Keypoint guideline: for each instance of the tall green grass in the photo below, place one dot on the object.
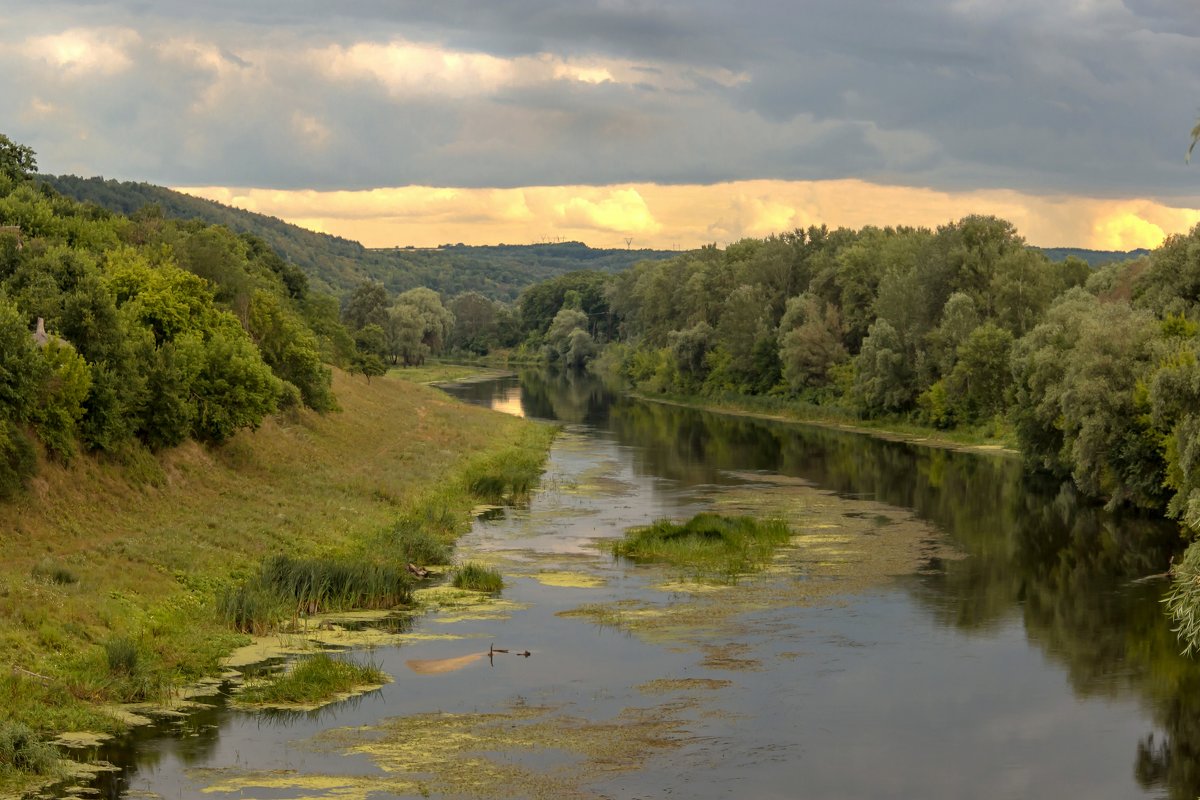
(22, 751)
(313, 679)
(507, 477)
(707, 545)
(477, 578)
(286, 586)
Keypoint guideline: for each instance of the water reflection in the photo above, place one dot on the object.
(1037, 555)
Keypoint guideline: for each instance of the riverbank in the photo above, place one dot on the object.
(99, 553)
(888, 430)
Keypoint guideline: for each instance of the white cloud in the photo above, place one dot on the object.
(82, 52)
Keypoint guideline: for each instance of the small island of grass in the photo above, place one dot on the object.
(314, 680)
(707, 546)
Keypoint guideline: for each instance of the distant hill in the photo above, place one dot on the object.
(336, 265)
(1094, 258)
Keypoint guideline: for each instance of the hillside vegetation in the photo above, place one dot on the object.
(174, 428)
(337, 265)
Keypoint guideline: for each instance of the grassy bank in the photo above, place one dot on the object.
(988, 437)
(448, 373)
(111, 573)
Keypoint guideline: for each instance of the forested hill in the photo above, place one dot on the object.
(1094, 258)
(336, 265)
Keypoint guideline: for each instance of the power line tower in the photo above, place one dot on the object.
(628, 242)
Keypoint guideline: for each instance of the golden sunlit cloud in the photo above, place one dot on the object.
(670, 217)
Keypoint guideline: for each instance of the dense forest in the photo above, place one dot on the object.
(337, 265)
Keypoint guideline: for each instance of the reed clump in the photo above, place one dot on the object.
(507, 477)
(708, 546)
(477, 578)
(22, 751)
(286, 586)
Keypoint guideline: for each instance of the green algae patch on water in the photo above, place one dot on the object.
(837, 547)
(669, 685)
(522, 751)
(569, 580)
(81, 740)
(447, 605)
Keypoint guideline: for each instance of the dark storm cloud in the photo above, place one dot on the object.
(1081, 96)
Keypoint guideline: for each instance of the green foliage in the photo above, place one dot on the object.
(17, 161)
(234, 388)
(18, 461)
(313, 679)
(21, 750)
(1183, 599)
(883, 380)
(710, 546)
(291, 350)
(65, 383)
(568, 342)
(477, 578)
(336, 265)
(979, 384)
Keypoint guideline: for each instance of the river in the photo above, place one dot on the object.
(940, 627)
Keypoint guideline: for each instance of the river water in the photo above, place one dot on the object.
(940, 628)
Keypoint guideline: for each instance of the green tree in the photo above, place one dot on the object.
(17, 161)
(883, 378)
(291, 350)
(978, 386)
(366, 305)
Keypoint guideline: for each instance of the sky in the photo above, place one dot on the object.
(649, 123)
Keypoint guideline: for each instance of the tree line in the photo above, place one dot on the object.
(1094, 373)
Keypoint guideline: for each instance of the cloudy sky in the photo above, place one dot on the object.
(669, 122)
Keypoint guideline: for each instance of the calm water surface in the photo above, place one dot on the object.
(1013, 659)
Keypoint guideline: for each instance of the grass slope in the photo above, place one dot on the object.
(151, 545)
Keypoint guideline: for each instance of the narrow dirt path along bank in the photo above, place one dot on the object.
(99, 554)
